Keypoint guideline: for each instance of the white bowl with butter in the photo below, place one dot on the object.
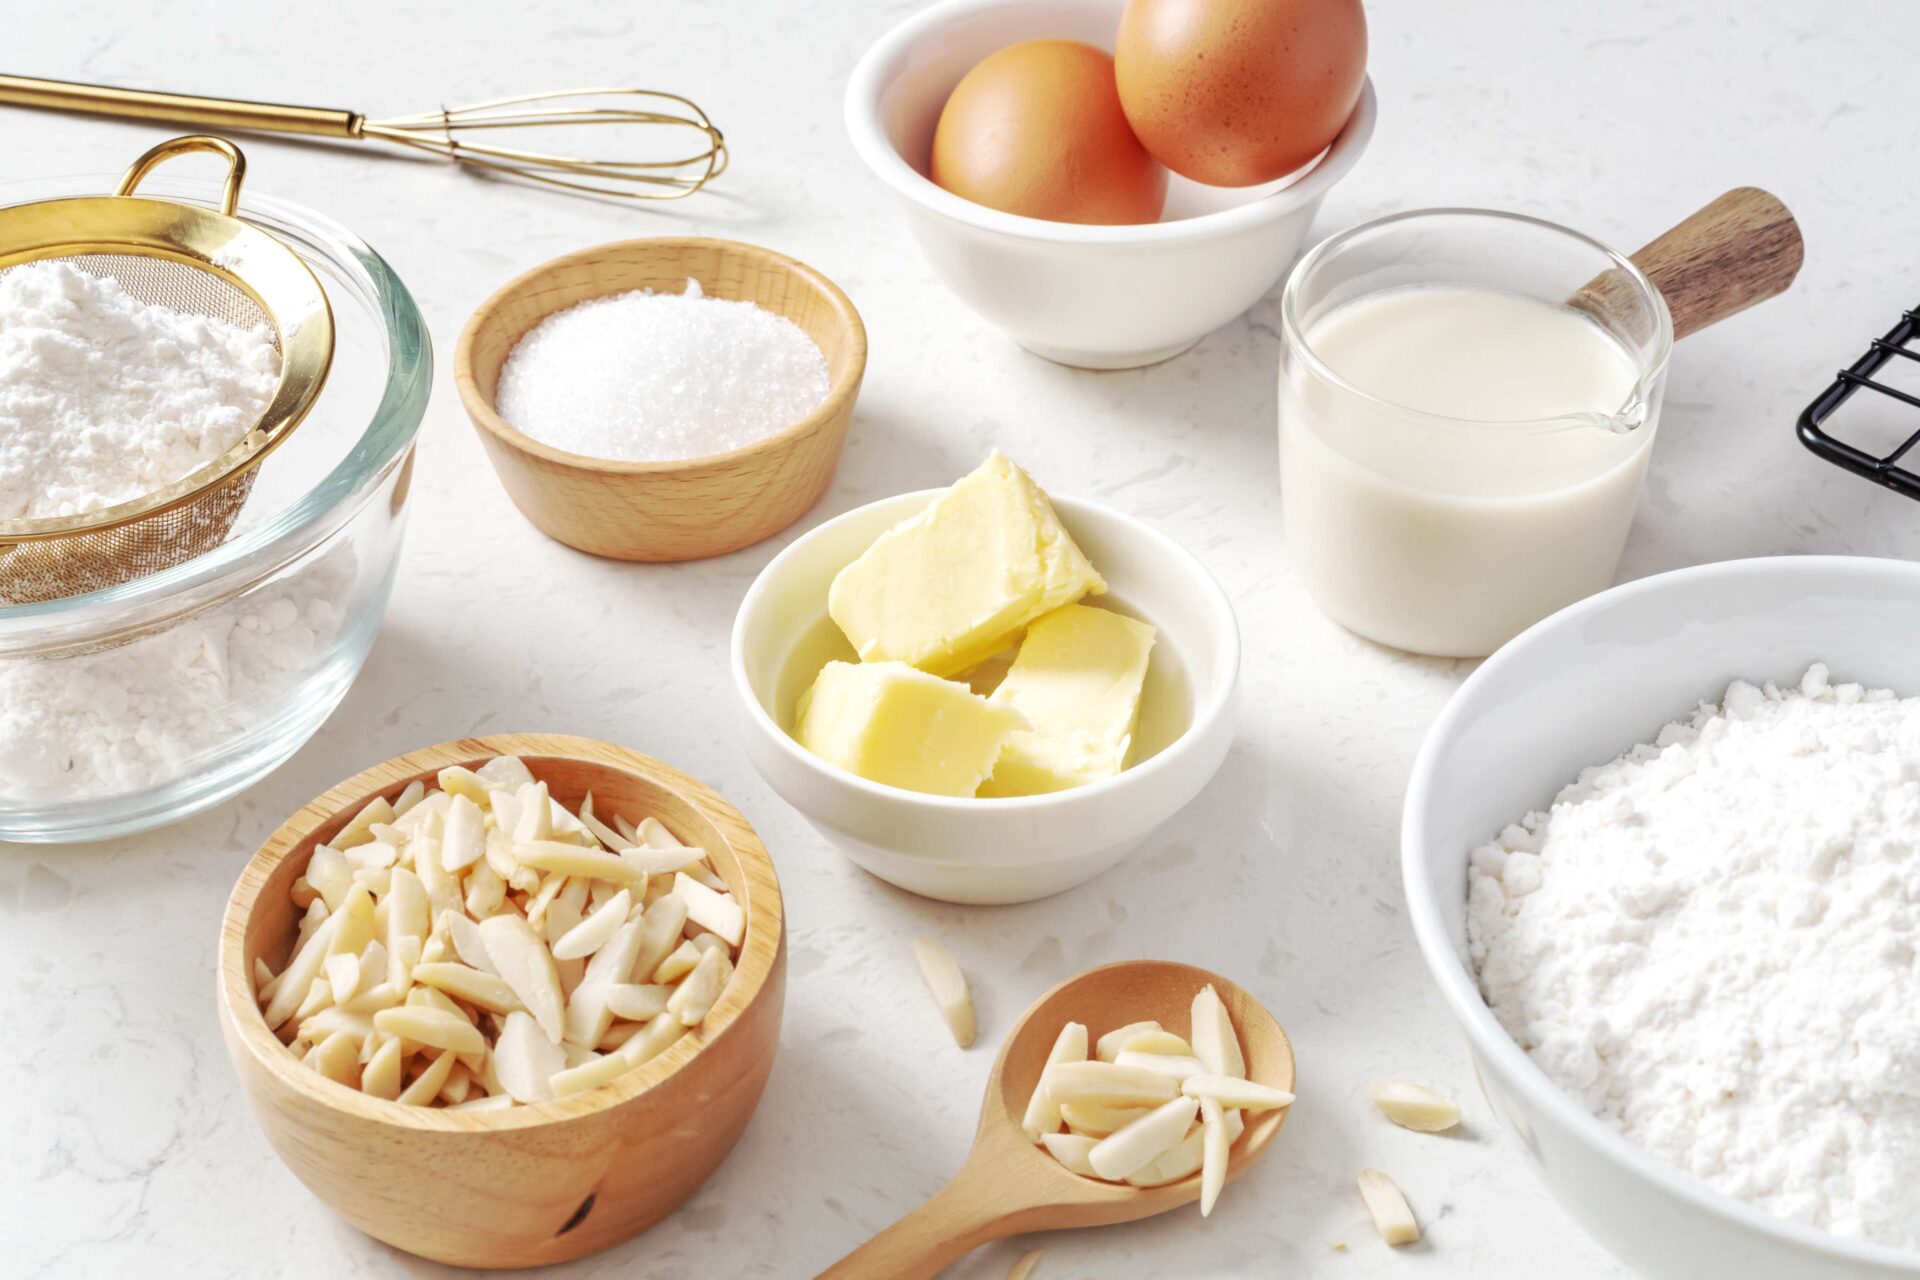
(1001, 849)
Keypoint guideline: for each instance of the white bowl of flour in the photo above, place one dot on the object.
(1684, 939)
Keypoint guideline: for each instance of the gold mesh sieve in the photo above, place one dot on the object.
(193, 260)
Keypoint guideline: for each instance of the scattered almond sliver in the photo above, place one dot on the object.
(1416, 1107)
(1388, 1208)
(474, 945)
(1149, 1108)
(1022, 1269)
(948, 987)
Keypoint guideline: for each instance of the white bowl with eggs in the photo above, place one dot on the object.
(1097, 297)
(1013, 849)
(1576, 690)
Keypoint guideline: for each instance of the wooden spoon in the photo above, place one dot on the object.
(1009, 1186)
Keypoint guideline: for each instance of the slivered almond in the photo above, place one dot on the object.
(589, 1075)
(948, 986)
(360, 830)
(648, 861)
(1108, 1084)
(1108, 1047)
(463, 840)
(380, 1078)
(637, 1002)
(426, 1086)
(337, 1058)
(652, 1040)
(1092, 1120)
(343, 975)
(1415, 1107)
(467, 983)
(457, 780)
(525, 965)
(679, 963)
(1155, 1041)
(1214, 1143)
(298, 976)
(660, 930)
(575, 860)
(1214, 1040)
(1391, 1214)
(1182, 1160)
(467, 944)
(596, 930)
(504, 771)
(716, 912)
(1167, 1064)
(1043, 1111)
(1140, 1143)
(1230, 1091)
(423, 1024)
(526, 1060)
(695, 997)
(1071, 1149)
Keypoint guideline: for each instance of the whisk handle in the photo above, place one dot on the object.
(213, 113)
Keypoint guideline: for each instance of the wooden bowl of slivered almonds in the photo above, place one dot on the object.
(508, 1000)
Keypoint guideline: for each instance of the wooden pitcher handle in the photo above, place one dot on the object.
(1741, 249)
(963, 1215)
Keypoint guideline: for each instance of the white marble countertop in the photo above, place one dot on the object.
(125, 1144)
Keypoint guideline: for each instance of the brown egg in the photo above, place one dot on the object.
(1238, 92)
(1036, 129)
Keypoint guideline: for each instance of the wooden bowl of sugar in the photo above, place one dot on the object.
(543, 1182)
(641, 507)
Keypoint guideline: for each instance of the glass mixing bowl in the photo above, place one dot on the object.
(135, 706)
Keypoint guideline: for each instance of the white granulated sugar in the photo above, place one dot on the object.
(1711, 944)
(657, 377)
(104, 398)
(123, 719)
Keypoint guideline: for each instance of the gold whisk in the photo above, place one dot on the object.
(441, 131)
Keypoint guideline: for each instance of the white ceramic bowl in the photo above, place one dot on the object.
(1001, 850)
(1577, 689)
(1096, 297)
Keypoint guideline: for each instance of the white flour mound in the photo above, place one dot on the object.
(1711, 944)
(104, 398)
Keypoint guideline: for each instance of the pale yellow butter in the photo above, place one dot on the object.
(891, 723)
(1077, 680)
(954, 584)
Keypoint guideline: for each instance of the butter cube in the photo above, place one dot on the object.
(891, 723)
(954, 584)
(1077, 680)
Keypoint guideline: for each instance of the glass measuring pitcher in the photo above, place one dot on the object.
(1448, 532)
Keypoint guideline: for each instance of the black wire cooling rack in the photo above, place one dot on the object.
(1885, 469)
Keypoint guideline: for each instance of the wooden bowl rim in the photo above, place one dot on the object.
(999, 1115)
(758, 954)
(840, 389)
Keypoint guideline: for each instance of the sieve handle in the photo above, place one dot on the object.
(181, 108)
(236, 165)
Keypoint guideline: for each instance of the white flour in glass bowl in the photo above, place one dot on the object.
(119, 720)
(104, 398)
(1713, 942)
